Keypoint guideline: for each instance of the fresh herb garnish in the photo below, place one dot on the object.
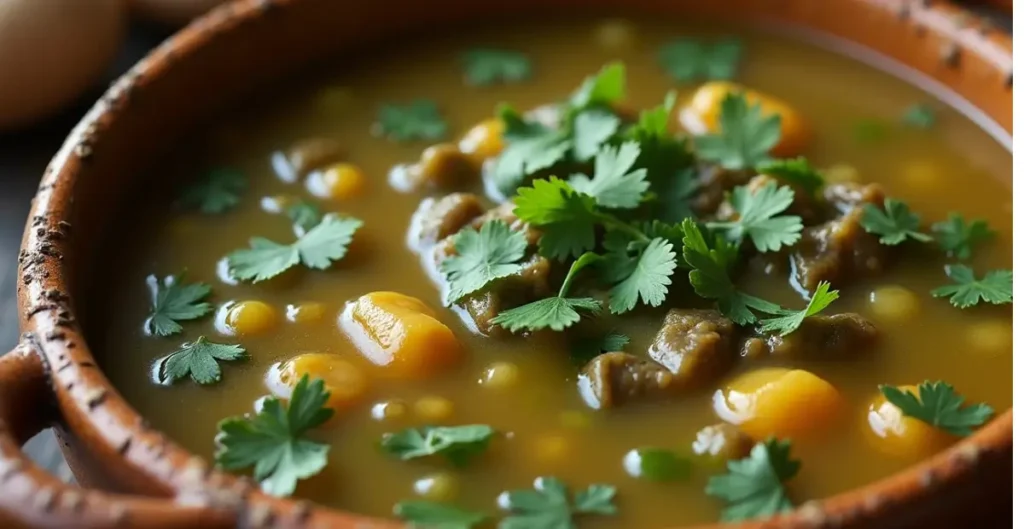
(423, 514)
(172, 302)
(591, 129)
(657, 464)
(198, 359)
(957, 237)
(585, 348)
(895, 224)
(646, 276)
(327, 242)
(605, 88)
(760, 218)
(787, 321)
(419, 120)
(939, 405)
(482, 257)
(305, 215)
(529, 147)
(274, 441)
(568, 217)
(795, 171)
(966, 291)
(555, 313)
(220, 191)
(754, 487)
(456, 443)
(688, 60)
(548, 505)
(920, 116)
(484, 67)
(616, 183)
(745, 136)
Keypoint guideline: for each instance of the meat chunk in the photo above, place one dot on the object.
(837, 251)
(436, 219)
(611, 379)
(721, 442)
(847, 196)
(305, 156)
(441, 166)
(506, 213)
(696, 346)
(836, 336)
(714, 183)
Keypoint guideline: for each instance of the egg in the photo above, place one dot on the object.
(172, 12)
(50, 52)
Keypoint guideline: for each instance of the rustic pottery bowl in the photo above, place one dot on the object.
(133, 476)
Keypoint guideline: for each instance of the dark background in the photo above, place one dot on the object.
(24, 155)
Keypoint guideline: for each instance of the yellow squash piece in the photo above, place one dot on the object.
(785, 403)
(483, 141)
(701, 115)
(246, 318)
(346, 382)
(401, 334)
(897, 435)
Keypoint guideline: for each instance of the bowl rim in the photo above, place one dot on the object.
(92, 405)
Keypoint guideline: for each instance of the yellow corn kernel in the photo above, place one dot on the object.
(401, 334)
(894, 303)
(483, 141)
(389, 410)
(434, 409)
(779, 402)
(440, 486)
(305, 312)
(897, 435)
(500, 375)
(343, 379)
(341, 181)
(246, 318)
(702, 115)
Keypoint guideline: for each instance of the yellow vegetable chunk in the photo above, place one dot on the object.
(306, 312)
(401, 334)
(701, 116)
(894, 303)
(440, 486)
(897, 435)
(347, 383)
(246, 318)
(483, 141)
(785, 403)
(501, 375)
(341, 181)
(434, 409)
(389, 410)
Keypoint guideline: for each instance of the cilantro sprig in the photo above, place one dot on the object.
(786, 321)
(482, 257)
(548, 505)
(938, 404)
(274, 441)
(957, 237)
(755, 487)
(745, 137)
(895, 224)
(759, 217)
(435, 515)
(419, 120)
(996, 287)
(220, 191)
(488, 66)
(198, 359)
(616, 182)
(456, 443)
(173, 301)
(919, 115)
(795, 171)
(304, 215)
(688, 60)
(555, 313)
(319, 247)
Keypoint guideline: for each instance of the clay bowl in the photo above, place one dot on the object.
(134, 476)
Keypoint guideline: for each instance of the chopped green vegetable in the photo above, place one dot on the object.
(567, 216)
(419, 120)
(939, 405)
(688, 60)
(759, 217)
(555, 313)
(788, 321)
(614, 184)
(529, 148)
(795, 171)
(671, 167)
(921, 116)
(585, 348)
(274, 441)
(485, 67)
(482, 257)
(456, 443)
(745, 137)
(893, 225)
(995, 288)
(548, 506)
(591, 129)
(657, 464)
(318, 248)
(305, 215)
(605, 88)
(173, 302)
(645, 277)
(423, 514)
(958, 237)
(220, 191)
(197, 359)
(754, 487)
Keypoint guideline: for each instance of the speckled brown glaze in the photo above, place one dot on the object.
(52, 378)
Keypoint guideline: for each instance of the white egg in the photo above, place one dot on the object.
(52, 51)
(172, 12)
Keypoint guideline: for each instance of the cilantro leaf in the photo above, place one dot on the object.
(419, 120)
(529, 147)
(648, 278)
(547, 506)
(788, 321)
(605, 88)
(456, 443)
(920, 116)
(795, 171)
(958, 237)
(688, 60)
(173, 302)
(304, 215)
(591, 129)
(939, 405)
(669, 162)
(653, 122)
(327, 242)
(485, 67)
(434, 515)
(995, 288)
(754, 487)
(482, 257)
(555, 313)
(197, 359)
(657, 464)
(219, 192)
(745, 135)
(567, 216)
(614, 185)
(760, 219)
(273, 441)
(583, 349)
(895, 224)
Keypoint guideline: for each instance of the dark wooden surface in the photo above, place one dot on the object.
(24, 155)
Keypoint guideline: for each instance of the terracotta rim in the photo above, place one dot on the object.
(91, 404)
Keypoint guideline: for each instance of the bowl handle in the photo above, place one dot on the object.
(32, 498)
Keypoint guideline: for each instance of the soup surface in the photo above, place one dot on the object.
(396, 356)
